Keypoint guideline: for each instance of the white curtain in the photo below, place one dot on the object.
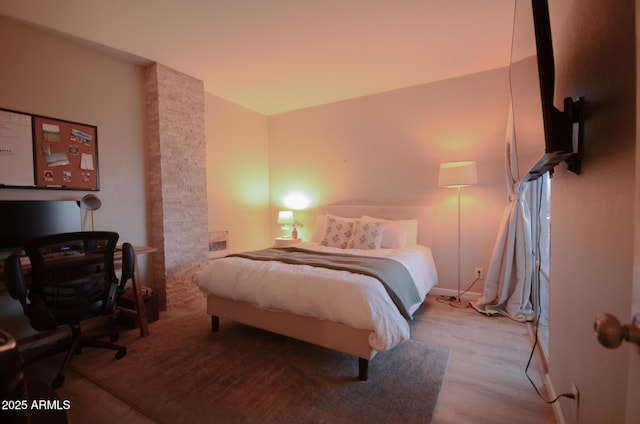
(507, 287)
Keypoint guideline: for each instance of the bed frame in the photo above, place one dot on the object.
(328, 334)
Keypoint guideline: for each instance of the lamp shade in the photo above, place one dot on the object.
(90, 202)
(458, 174)
(285, 217)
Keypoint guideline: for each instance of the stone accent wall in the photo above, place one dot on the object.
(177, 182)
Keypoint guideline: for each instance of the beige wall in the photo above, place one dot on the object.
(108, 92)
(237, 173)
(592, 215)
(54, 77)
(404, 135)
(387, 148)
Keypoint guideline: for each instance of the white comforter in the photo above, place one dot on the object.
(356, 300)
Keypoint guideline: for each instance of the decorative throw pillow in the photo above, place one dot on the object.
(367, 235)
(337, 232)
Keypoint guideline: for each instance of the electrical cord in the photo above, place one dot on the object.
(470, 286)
(567, 395)
(444, 298)
(537, 316)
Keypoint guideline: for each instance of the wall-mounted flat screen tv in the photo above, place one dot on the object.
(544, 134)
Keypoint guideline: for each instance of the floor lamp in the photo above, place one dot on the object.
(458, 175)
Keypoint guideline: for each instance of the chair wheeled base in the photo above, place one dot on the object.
(73, 345)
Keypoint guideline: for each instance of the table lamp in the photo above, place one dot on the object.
(286, 218)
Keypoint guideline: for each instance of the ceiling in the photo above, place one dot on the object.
(278, 55)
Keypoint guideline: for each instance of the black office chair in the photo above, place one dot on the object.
(72, 279)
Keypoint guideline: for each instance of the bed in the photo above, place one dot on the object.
(357, 313)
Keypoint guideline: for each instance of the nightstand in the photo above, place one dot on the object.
(285, 242)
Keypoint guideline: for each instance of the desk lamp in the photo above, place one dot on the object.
(90, 203)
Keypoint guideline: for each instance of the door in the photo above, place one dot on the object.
(633, 382)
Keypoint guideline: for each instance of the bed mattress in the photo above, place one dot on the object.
(353, 299)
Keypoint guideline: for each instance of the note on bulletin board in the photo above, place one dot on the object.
(47, 153)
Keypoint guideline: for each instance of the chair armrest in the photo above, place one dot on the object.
(15, 279)
(128, 266)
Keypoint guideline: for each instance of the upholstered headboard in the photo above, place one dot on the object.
(424, 215)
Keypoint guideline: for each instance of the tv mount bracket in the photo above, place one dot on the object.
(573, 111)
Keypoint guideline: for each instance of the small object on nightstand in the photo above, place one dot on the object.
(286, 241)
(294, 233)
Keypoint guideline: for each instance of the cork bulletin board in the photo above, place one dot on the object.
(47, 153)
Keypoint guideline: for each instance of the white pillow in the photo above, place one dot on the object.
(318, 232)
(412, 231)
(337, 232)
(397, 234)
(367, 235)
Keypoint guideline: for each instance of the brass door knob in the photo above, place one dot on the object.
(610, 332)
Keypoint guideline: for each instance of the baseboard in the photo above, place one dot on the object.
(543, 363)
(557, 411)
(437, 291)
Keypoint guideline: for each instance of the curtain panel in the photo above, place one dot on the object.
(508, 282)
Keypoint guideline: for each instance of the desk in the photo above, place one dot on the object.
(138, 310)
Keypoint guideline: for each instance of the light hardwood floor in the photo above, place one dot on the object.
(485, 380)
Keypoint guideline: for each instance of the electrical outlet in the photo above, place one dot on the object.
(576, 400)
(479, 273)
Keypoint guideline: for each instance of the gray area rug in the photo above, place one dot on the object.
(185, 373)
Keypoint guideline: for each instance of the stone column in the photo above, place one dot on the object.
(177, 182)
